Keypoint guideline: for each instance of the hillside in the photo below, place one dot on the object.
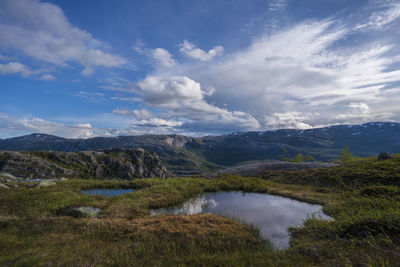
(121, 164)
(363, 198)
(184, 154)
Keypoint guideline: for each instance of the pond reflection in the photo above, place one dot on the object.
(271, 214)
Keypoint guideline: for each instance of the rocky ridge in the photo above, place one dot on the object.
(105, 164)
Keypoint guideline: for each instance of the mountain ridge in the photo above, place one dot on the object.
(184, 154)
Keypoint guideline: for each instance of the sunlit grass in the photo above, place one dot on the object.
(364, 201)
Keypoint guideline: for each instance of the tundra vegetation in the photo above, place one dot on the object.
(363, 197)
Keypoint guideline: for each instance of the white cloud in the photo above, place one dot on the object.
(183, 98)
(381, 19)
(91, 96)
(29, 124)
(298, 77)
(87, 71)
(5, 58)
(15, 126)
(46, 77)
(117, 84)
(277, 5)
(190, 50)
(42, 31)
(169, 91)
(163, 57)
(139, 47)
(16, 67)
(360, 107)
(302, 69)
(157, 122)
(140, 114)
(127, 99)
(289, 120)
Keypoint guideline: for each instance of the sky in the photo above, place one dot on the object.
(81, 69)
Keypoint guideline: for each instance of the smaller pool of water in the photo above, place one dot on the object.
(107, 192)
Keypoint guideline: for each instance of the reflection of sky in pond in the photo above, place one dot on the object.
(107, 192)
(271, 214)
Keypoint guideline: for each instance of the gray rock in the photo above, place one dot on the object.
(83, 211)
(3, 186)
(110, 163)
(7, 175)
(384, 156)
(46, 183)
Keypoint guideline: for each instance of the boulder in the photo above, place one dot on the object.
(46, 183)
(7, 175)
(83, 211)
(3, 186)
(384, 156)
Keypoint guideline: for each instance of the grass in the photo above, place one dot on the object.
(362, 196)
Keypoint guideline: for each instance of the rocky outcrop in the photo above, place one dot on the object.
(78, 212)
(111, 163)
(3, 186)
(384, 156)
(46, 183)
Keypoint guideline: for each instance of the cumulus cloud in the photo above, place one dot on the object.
(190, 50)
(363, 113)
(163, 57)
(289, 120)
(302, 69)
(170, 91)
(183, 98)
(298, 77)
(41, 31)
(15, 67)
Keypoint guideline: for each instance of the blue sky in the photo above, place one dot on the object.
(105, 68)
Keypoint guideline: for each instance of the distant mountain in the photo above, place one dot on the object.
(186, 154)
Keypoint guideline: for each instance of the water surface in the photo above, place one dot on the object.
(271, 214)
(107, 192)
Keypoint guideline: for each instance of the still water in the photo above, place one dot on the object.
(271, 214)
(107, 192)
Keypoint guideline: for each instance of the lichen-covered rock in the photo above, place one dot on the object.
(112, 163)
(78, 212)
(46, 183)
(3, 186)
(7, 175)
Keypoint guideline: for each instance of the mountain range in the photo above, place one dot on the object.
(186, 155)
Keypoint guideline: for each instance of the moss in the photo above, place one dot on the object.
(365, 232)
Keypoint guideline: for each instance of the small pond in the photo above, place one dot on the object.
(271, 214)
(107, 192)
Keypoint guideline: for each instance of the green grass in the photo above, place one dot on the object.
(362, 196)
